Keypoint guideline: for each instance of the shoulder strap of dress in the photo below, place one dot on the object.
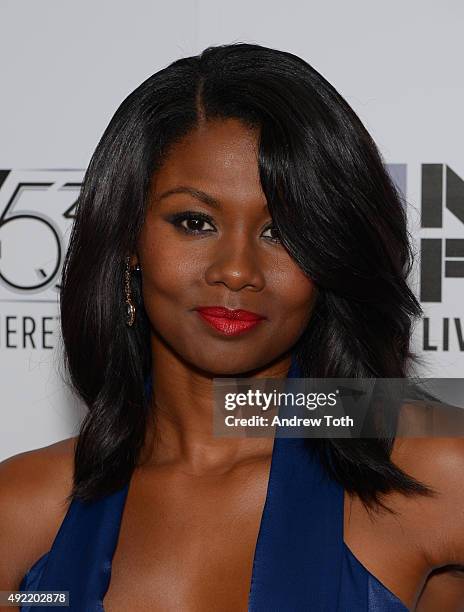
(80, 558)
(299, 552)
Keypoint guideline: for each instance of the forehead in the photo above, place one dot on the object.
(219, 157)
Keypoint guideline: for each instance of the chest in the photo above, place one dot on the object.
(188, 543)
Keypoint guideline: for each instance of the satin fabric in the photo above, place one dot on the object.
(301, 562)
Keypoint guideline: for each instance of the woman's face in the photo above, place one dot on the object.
(207, 241)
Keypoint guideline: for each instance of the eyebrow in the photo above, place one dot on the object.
(196, 193)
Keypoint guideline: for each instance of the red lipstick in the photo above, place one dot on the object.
(229, 322)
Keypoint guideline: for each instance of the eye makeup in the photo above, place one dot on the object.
(196, 218)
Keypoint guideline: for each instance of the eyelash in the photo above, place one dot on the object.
(178, 218)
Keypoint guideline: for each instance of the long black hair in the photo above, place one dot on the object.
(336, 210)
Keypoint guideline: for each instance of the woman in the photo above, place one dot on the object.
(237, 179)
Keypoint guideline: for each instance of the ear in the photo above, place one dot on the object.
(134, 260)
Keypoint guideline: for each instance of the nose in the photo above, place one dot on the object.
(236, 264)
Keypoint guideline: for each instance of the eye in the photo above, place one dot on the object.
(275, 238)
(191, 222)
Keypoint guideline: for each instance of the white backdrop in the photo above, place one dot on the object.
(67, 66)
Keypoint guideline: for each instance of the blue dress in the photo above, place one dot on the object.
(301, 563)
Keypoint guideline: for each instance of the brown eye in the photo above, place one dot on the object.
(276, 237)
(194, 225)
(191, 222)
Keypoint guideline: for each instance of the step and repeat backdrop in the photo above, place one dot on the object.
(68, 67)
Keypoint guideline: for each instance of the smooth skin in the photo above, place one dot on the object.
(192, 515)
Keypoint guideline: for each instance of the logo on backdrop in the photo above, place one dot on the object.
(442, 254)
(36, 213)
(442, 189)
(37, 210)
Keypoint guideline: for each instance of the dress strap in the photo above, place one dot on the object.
(80, 558)
(299, 552)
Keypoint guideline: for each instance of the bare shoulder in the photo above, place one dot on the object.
(438, 520)
(34, 486)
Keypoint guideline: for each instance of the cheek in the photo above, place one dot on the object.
(298, 293)
(305, 293)
(301, 306)
(167, 268)
(167, 281)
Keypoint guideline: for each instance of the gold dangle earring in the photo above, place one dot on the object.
(130, 308)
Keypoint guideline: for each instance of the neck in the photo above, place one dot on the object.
(180, 427)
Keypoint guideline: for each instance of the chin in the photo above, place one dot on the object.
(220, 368)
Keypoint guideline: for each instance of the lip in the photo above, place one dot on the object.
(226, 313)
(229, 322)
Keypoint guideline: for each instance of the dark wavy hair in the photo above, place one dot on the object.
(336, 210)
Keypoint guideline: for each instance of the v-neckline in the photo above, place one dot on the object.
(299, 551)
(293, 372)
(303, 512)
(252, 596)
(259, 536)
